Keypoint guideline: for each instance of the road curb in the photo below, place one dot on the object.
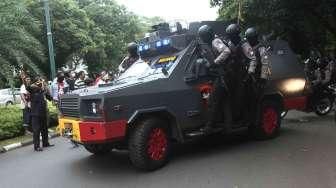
(17, 145)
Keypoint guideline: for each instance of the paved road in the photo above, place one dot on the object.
(303, 156)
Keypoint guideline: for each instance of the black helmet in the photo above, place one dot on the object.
(233, 29)
(251, 35)
(233, 32)
(206, 33)
(132, 49)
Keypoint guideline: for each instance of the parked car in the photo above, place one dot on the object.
(7, 98)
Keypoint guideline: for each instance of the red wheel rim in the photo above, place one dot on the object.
(157, 144)
(270, 120)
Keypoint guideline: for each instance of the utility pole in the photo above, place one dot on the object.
(50, 39)
(239, 11)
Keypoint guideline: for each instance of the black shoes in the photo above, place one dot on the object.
(48, 145)
(38, 149)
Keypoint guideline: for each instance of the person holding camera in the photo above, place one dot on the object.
(39, 92)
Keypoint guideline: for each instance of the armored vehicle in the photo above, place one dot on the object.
(161, 99)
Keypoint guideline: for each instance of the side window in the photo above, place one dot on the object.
(17, 91)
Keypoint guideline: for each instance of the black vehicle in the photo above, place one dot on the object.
(163, 98)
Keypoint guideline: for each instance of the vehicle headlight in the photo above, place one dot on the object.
(294, 85)
(93, 107)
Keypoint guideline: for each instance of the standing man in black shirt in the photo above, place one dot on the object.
(39, 92)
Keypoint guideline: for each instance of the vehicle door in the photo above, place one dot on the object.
(197, 77)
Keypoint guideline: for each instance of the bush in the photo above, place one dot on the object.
(10, 122)
(53, 115)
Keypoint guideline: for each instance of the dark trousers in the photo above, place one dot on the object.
(255, 92)
(219, 104)
(27, 118)
(39, 124)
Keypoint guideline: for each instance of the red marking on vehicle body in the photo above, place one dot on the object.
(205, 89)
(102, 131)
(297, 103)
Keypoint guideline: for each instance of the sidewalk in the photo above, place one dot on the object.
(26, 142)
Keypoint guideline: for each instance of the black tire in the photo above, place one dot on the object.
(149, 144)
(98, 149)
(323, 107)
(283, 114)
(269, 122)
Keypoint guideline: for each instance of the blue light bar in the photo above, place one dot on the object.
(140, 48)
(158, 44)
(146, 47)
(166, 42)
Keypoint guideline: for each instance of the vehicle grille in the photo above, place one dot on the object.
(70, 107)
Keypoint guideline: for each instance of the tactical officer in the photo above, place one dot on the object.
(310, 67)
(323, 73)
(259, 70)
(240, 56)
(132, 57)
(211, 49)
(39, 92)
(228, 57)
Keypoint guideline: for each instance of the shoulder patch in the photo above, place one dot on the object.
(218, 44)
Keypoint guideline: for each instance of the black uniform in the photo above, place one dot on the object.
(231, 62)
(132, 57)
(71, 83)
(127, 63)
(237, 60)
(309, 68)
(39, 115)
(323, 73)
(259, 72)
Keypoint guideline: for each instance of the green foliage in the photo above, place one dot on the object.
(18, 45)
(113, 28)
(10, 122)
(53, 115)
(70, 28)
(95, 31)
(305, 24)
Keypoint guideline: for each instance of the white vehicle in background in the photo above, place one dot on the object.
(7, 98)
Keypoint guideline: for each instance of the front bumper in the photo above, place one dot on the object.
(92, 132)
